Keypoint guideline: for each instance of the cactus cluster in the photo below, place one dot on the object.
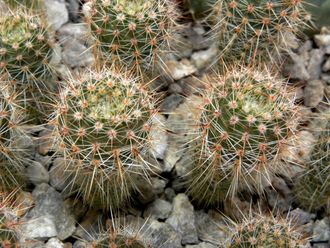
(246, 121)
(103, 120)
(266, 231)
(312, 191)
(131, 32)
(251, 30)
(199, 9)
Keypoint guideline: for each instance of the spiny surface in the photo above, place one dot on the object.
(247, 118)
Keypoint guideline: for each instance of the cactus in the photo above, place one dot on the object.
(266, 231)
(25, 49)
(30, 4)
(252, 29)
(10, 163)
(103, 122)
(246, 120)
(312, 191)
(132, 32)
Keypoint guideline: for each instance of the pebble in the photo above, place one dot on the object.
(158, 209)
(37, 173)
(326, 66)
(314, 67)
(321, 232)
(41, 227)
(57, 13)
(178, 70)
(313, 91)
(54, 243)
(323, 40)
(205, 58)
(182, 219)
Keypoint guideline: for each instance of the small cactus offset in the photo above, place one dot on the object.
(252, 29)
(246, 121)
(25, 49)
(103, 121)
(266, 231)
(132, 32)
(312, 191)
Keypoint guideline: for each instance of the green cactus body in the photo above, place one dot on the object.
(104, 121)
(25, 49)
(312, 191)
(266, 231)
(246, 120)
(10, 165)
(30, 4)
(251, 29)
(132, 32)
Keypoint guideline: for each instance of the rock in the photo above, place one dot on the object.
(178, 70)
(77, 55)
(299, 217)
(162, 234)
(158, 185)
(210, 228)
(191, 85)
(296, 69)
(201, 245)
(81, 244)
(158, 209)
(23, 145)
(73, 7)
(36, 173)
(57, 176)
(314, 91)
(182, 219)
(170, 194)
(54, 243)
(44, 160)
(170, 103)
(175, 88)
(45, 142)
(279, 195)
(326, 66)
(24, 202)
(326, 78)
(77, 32)
(323, 40)
(49, 202)
(41, 227)
(205, 58)
(321, 232)
(158, 137)
(57, 13)
(314, 67)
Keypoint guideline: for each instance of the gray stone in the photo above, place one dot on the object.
(323, 41)
(170, 194)
(57, 13)
(300, 217)
(49, 202)
(57, 176)
(314, 66)
(41, 227)
(210, 228)
(44, 160)
(81, 244)
(170, 103)
(201, 245)
(54, 243)
(77, 55)
(36, 173)
(182, 219)
(158, 209)
(296, 69)
(314, 91)
(205, 58)
(45, 142)
(178, 70)
(326, 66)
(321, 232)
(158, 185)
(162, 234)
(73, 31)
(158, 137)
(73, 7)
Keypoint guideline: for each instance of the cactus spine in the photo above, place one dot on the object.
(246, 120)
(103, 122)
